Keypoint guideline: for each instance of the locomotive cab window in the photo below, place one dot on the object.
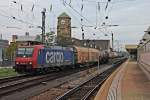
(24, 52)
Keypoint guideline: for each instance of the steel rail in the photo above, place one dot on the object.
(14, 78)
(11, 88)
(87, 88)
(91, 93)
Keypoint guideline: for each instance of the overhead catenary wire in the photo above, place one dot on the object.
(21, 6)
(79, 14)
(69, 4)
(82, 16)
(82, 28)
(15, 18)
(20, 9)
(72, 8)
(73, 15)
(117, 1)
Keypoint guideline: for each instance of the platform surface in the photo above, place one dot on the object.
(129, 82)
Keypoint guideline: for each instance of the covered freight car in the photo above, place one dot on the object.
(86, 55)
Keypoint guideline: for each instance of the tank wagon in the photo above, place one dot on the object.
(39, 58)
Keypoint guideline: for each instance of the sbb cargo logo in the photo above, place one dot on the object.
(54, 57)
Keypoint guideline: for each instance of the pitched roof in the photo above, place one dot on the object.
(64, 14)
(27, 38)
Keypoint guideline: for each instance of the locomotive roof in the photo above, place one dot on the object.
(59, 47)
(31, 45)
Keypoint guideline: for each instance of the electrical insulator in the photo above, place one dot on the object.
(14, 17)
(103, 23)
(106, 17)
(14, 1)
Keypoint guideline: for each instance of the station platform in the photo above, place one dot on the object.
(128, 82)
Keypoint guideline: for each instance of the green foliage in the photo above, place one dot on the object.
(49, 37)
(38, 38)
(7, 72)
(11, 50)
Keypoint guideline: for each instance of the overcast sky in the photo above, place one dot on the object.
(132, 16)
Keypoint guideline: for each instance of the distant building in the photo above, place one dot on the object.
(26, 39)
(132, 50)
(14, 38)
(64, 29)
(64, 35)
(144, 43)
(99, 44)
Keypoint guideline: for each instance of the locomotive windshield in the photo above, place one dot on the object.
(24, 52)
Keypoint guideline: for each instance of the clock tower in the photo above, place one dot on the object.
(64, 28)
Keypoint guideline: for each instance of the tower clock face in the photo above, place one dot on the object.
(62, 21)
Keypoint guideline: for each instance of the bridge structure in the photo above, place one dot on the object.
(132, 50)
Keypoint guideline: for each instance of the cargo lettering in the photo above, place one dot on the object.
(54, 57)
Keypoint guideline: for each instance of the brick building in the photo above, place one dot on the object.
(64, 29)
(99, 44)
(26, 39)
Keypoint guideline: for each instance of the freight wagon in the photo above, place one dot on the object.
(86, 55)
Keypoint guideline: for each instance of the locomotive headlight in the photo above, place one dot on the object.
(30, 63)
(17, 63)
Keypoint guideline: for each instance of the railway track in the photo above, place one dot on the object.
(12, 85)
(16, 84)
(14, 78)
(88, 89)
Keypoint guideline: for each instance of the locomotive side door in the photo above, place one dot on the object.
(41, 58)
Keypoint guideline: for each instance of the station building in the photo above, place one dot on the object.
(99, 44)
(26, 39)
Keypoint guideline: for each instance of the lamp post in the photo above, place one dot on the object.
(88, 50)
(112, 38)
(43, 25)
(98, 61)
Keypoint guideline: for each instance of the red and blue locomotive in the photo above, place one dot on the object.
(39, 58)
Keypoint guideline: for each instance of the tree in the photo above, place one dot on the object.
(49, 37)
(11, 50)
